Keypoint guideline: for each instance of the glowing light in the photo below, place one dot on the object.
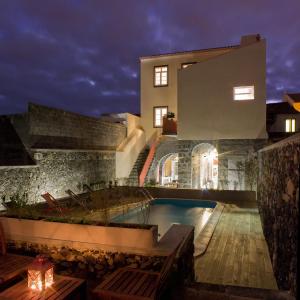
(290, 125)
(40, 274)
(243, 93)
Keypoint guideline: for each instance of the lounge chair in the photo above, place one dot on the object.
(53, 203)
(134, 284)
(81, 200)
(12, 266)
(88, 188)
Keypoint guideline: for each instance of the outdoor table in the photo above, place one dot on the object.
(63, 288)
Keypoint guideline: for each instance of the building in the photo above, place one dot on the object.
(208, 108)
(283, 118)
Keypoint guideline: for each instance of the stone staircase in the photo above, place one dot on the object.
(133, 179)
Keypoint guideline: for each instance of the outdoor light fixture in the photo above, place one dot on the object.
(40, 274)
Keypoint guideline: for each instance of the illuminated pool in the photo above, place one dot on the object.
(165, 212)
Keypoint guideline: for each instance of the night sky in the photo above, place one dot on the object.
(83, 56)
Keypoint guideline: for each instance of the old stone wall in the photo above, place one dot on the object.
(57, 171)
(278, 202)
(54, 128)
(230, 152)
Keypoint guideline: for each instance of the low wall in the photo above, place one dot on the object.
(278, 202)
(128, 153)
(130, 240)
(234, 197)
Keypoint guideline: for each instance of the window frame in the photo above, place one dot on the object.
(154, 73)
(243, 86)
(154, 108)
(188, 64)
(290, 120)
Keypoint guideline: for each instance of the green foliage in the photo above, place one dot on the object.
(251, 170)
(151, 182)
(170, 115)
(18, 206)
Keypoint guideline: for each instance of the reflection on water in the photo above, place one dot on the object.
(164, 215)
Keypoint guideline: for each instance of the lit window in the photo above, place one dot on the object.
(290, 125)
(243, 92)
(159, 113)
(161, 76)
(185, 65)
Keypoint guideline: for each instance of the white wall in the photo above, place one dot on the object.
(129, 152)
(165, 96)
(206, 109)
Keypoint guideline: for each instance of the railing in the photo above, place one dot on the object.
(148, 162)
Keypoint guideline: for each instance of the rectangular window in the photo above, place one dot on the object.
(161, 76)
(158, 114)
(290, 125)
(185, 65)
(243, 93)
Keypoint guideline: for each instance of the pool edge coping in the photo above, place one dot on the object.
(204, 237)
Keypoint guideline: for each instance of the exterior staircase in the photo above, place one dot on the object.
(138, 166)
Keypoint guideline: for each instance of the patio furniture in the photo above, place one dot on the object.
(88, 188)
(134, 284)
(81, 200)
(53, 203)
(63, 288)
(11, 265)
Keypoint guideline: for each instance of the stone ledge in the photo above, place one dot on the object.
(204, 237)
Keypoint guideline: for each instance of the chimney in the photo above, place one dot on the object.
(250, 39)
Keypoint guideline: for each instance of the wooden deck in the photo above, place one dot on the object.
(237, 253)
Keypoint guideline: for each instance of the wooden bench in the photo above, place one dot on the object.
(63, 288)
(134, 284)
(11, 265)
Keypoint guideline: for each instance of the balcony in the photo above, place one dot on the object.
(169, 126)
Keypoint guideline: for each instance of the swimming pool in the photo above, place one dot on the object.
(165, 212)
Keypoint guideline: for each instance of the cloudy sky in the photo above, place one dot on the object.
(82, 55)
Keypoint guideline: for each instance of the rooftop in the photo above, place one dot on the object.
(280, 108)
(190, 52)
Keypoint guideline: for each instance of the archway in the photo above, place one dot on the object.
(204, 167)
(167, 170)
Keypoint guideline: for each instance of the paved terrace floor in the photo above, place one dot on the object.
(237, 253)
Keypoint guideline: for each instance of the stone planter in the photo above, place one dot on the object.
(78, 236)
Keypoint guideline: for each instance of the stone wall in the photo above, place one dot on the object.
(54, 128)
(230, 152)
(278, 201)
(57, 171)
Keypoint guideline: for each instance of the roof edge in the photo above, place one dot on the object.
(189, 52)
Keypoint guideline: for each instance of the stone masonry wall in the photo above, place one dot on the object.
(228, 150)
(57, 171)
(278, 202)
(71, 131)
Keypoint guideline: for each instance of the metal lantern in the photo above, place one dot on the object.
(40, 273)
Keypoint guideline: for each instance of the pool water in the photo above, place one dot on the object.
(165, 212)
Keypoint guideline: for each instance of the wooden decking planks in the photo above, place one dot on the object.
(13, 265)
(237, 253)
(63, 288)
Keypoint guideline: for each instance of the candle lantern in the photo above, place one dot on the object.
(40, 273)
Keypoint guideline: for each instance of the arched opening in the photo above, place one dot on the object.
(167, 170)
(204, 167)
